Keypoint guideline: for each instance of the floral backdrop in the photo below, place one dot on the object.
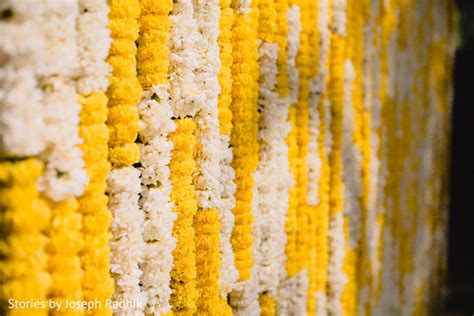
(265, 157)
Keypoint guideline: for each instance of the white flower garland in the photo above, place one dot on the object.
(64, 176)
(127, 245)
(214, 179)
(21, 50)
(206, 78)
(272, 177)
(292, 292)
(229, 274)
(155, 126)
(184, 60)
(93, 42)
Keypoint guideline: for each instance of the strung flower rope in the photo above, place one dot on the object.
(313, 159)
(93, 46)
(337, 279)
(245, 147)
(208, 158)
(64, 175)
(272, 177)
(186, 100)
(127, 245)
(93, 203)
(289, 286)
(244, 135)
(206, 225)
(22, 51)
(321, 217)
(228, 274)
(25, 219)
(182, 165)
(156, 148)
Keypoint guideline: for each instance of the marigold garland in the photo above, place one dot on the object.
(96, 217)
(124, 188)
(156, 150)
(25, 219)
(244, 134)
(229, 273)
(183, 275)
(206, 226)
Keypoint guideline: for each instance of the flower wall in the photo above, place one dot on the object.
(265, 157)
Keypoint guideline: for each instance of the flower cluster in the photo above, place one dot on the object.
(336, 277)
(21, 51)
(124, 90)
(96, 216)
(93, 45)
(244, 135)
(127, 229)
(229, 273)
(272, 177)
(156, 149)
(24, 222)
(245, 147)
(64, 176)
(183, 195)
(124, 186)
(294, 29)
(206, 226)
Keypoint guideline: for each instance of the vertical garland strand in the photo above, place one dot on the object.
(228, 274)
(127, 245)
(336, 277)
(183, 275)
(155, 125)
(92, 50)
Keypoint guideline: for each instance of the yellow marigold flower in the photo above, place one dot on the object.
(124, 155)
(267, 305)
(183, 275)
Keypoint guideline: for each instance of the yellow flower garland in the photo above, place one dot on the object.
(244, 134)
(206, 226)
(153, 53)
(124, 90)
(183, 275)
(281, 38)
(302, 136)
(336, 97)
(25, 219)
(93, 203)
(225, 75)
(64, 263)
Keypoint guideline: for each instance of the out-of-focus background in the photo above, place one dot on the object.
(460, 278)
